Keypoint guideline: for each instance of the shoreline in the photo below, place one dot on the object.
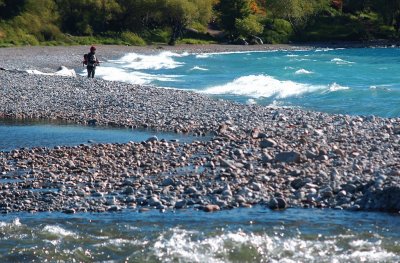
(278, 158)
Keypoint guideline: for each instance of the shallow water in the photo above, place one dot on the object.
(362, 81)
(17, 134)
(240, 235)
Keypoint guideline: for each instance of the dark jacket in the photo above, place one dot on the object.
(92, 60)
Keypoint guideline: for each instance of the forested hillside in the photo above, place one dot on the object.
(140, 22)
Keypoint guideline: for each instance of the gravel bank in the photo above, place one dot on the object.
(275, 157)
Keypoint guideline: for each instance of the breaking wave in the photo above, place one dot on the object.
(163, 60)
(62, 71)
(133, 77)
(199, 68)
(257, 86)
(303, 71)
(190, 246)
(340, 61)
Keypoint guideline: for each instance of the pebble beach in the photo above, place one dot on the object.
(255, 155)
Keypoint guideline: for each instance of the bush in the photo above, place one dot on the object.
(192, 41)
(248, 26)
(199, 27)
(132, 39)
(157, 36)
(277, 31)
(50, 33)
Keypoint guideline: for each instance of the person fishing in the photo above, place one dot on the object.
(91, 62)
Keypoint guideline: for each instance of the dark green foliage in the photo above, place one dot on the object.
(139, 22)
(277, 31)
(11, 8)
(230, 11)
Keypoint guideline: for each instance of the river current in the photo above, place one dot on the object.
(240, 235)
(358, 81)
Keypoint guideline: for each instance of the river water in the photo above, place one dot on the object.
(240, 235)
(27, 134)
(349, 81)
(362, 81)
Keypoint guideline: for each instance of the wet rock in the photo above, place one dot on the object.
(211, 208)
(152, 139)
(180, 204)
(387, 199)
(268, 143)
(129, 190)
(326, 192)
(288, 157)
(266, 158)
(168, 181)
(69, 211)
(114, 208)
(298, 183)
(277, 203)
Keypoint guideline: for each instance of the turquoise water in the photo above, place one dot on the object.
(364, 81)
(239, 235)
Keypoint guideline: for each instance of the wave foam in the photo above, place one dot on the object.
(340, 61)
(163, 60)
(303, 71)
(63, 71)
(257, 86)
(14, 223)
(133, 77)
(58, 231)
(335, 87)
(199, 68)
(181, 245)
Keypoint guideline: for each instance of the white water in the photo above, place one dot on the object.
(257, 86)
(239, 235)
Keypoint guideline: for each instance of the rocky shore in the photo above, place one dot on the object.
(276, 157)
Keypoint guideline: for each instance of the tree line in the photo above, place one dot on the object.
(139, 22)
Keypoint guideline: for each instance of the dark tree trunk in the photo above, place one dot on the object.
(177, 29)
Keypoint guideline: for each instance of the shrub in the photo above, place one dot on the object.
(157, 35)
(50, 33)
(248, 26)
(192, 41)
(277, 31)
(132, 39)
(199, 27)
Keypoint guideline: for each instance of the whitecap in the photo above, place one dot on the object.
(324, 49)
(163, 60)
(303, 72)
(251, 102)
(58, 231)
(199, 68)
(14, 223)
(121, 242)
(205, 55)
(340, 61)
(183, 245)
(336, 87)
(256, 86)
(276, 104)
(62, 71)
(132, 77)
(383, 87)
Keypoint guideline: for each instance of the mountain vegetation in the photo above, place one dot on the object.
(141, 22)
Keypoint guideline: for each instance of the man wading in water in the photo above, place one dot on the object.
(91, 61)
